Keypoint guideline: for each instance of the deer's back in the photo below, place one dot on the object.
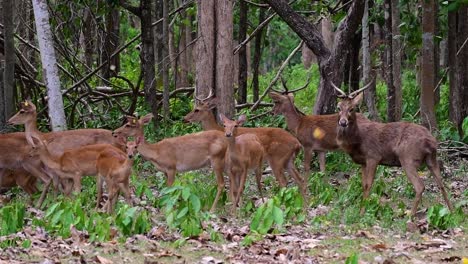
(318, 131)
(63, 140)
(114, 163)
(391, 142)
(272, 137)
(83, 158)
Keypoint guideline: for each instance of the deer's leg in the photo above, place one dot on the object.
(77, 182)
(321, 156)
(367, 179)
(308, 152)
(99, 190)
(40, 175)
(433, 165)
(125, 188)
(218, 167)
(301, 183)
(418, 184)
(170, 173)
(241, 186)
(278, 170)
(258, 178)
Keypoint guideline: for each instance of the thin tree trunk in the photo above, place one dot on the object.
(111, 43)
(257, 56)
(427, 66)
(369, 94)
(205, 48)
(242, 78)
(436, 51)
(389, 61)
(88, 33)
(165, 62)
(395, 113)
(9, 53)
(183, 59)
(224, 57)
(49, 65)
(354, 75)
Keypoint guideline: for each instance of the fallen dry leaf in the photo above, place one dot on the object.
(103, 260)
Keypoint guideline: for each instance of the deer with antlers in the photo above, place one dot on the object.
(178, 154)
(400, 144)
(62, 140)
(245, 152)
(280, 146)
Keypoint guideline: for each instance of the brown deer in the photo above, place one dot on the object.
(18, 177)
(315, 132)
(244, 152)
(280, 146)
(400, 144)
(62, 140)
(115, 167)
(15, 159)
(178, 154)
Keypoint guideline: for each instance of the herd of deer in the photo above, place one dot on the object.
(63, 158)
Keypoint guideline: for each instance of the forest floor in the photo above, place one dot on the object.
(307, 242)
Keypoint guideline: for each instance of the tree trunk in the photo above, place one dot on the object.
(183, 59)
(257, 56)
(49, 65)
(354, 75)
(388, 62)
(394, 113)
(111, 43)
(165, 62)
(88, 38)
(224, 57)
(205, 48)
(427, 66)
(369, 93)
(330, 62)
(9, 53)
(242, 78)
(458, 63)
(436, 51)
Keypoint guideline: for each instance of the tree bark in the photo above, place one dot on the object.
(165, 62)
(111, 43)
(224, 57)
(49, 65)
(257, 56)
(394, 113)
(242, 78)
(88, 37)
(9, 53)
(205, 48)
(367, 72)
(330, 62)
(388, 62)
(427, 66)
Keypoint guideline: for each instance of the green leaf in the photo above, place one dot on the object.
(185, 193)
(182, 213)
(278, 216)
(195, 201)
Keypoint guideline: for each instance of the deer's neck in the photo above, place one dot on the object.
(49, 159)
(210, 123)
(293, 118)
(144, 148)
(31, 127)
(349, 135)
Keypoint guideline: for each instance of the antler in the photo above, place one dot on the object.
(342, 94)
(202, 100)
(351, 95)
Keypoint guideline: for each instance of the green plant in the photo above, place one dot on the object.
(12, 218)
(439, 217)
(131, 221)
(353, 259)
(182, 209)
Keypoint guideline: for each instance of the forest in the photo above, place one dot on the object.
(131, 131)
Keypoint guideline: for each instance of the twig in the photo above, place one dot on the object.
(278, 74)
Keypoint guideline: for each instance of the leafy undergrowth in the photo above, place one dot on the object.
(167, 225)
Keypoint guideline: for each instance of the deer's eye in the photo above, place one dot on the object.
(196, 111)
(351, 110)
(339, 108)
(21, 111)
(236, 125)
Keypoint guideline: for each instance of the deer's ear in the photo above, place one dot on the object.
(358, 99)
(241, 120)
(222, 117)
(212, 103)
(274, 96)
(146, 119)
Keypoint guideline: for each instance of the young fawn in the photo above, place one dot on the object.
(280, 146)
(114, 167)
(244, 152)
(315, 132)
(401, 144)
(177, 154)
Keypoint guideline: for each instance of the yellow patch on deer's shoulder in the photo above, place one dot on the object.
(26, 103)
(318, 133)
(134, 121)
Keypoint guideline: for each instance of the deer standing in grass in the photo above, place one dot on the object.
(60, 141)
(115, 167)
(75, 163)
(178, 154)
(315, 132)
(244, 152)
(280, 146)
(400, 144)
(18, 177)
